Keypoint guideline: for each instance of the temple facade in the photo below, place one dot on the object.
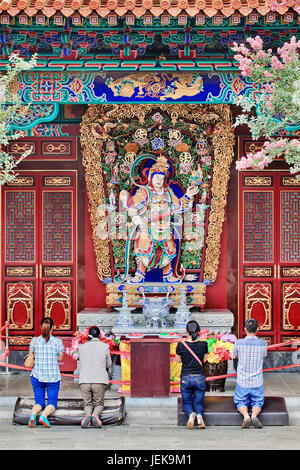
(117, 87)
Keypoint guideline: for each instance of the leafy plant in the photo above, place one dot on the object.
(277, 103)
(11, 106)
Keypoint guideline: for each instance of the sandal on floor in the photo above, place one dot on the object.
(85, 423)
(256, 422)
(32, 421)
(44, 421)
(96, 421)
(191, 421)
(246, 423)
(201, 423)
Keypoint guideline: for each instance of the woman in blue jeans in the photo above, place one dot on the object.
(192, 378)
(45, 375)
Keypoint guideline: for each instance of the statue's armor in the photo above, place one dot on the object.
(155, 232)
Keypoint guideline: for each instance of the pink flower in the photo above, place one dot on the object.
(286, 59)
(289, 47)
(261, 54)
(276, 64)
(281, 143)
(244, 50)
(267, 145)
(294, 142)
(243, 164)
(238, 57)
(256, 43)
(268, 104)
(268, 88)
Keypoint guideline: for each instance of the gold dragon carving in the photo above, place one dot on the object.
(95, 128)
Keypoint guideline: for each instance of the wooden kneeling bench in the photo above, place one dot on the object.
(69, 411)
(221, 411)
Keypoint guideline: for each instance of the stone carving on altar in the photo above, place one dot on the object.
(156, 178)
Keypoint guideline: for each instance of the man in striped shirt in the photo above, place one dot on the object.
(249, 390)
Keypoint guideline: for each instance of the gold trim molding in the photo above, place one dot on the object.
(95, 127)
(258, 181)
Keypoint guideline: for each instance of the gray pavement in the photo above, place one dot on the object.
(150, 423)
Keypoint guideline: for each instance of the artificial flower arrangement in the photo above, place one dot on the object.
(220, 346)
(82, 337)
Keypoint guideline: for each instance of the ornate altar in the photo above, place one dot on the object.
(195, 294)
(157, 178)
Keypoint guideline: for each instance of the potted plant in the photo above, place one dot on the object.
(220, 349)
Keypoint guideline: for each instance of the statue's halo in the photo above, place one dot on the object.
(136, 162)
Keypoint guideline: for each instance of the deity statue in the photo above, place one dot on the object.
(151, 208)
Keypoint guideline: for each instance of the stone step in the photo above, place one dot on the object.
(145, 412)
(6, 413)
(151, 416)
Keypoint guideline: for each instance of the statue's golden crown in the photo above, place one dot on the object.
(161, 166)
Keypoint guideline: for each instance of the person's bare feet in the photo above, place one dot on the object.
(201, 424)
(191, 421)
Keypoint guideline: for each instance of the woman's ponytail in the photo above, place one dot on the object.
(46, 326)
(193, 329)
(194, 336)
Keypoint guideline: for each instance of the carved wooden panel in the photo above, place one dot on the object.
(43, 149)
(290, 227)
(58, 303)
(269, 253)
(258, 226)
(57, 226)
(20, 210)
(258, 271)
(20, 305)
(258, 304)
(39, 253)
(291, 306)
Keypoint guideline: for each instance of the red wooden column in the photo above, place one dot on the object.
(150, 367)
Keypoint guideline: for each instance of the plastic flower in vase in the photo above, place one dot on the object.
(81, 337)
(220, 346)
(111, 340)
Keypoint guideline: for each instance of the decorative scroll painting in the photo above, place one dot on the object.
(124, 146)
(101, 87)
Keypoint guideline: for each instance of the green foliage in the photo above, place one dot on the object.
(11, 106)
(277, 102)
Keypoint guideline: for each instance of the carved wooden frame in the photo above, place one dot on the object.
(95, 130)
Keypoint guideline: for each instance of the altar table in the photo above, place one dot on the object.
(150, 367)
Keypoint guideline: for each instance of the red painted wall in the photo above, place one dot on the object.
(95, 289)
